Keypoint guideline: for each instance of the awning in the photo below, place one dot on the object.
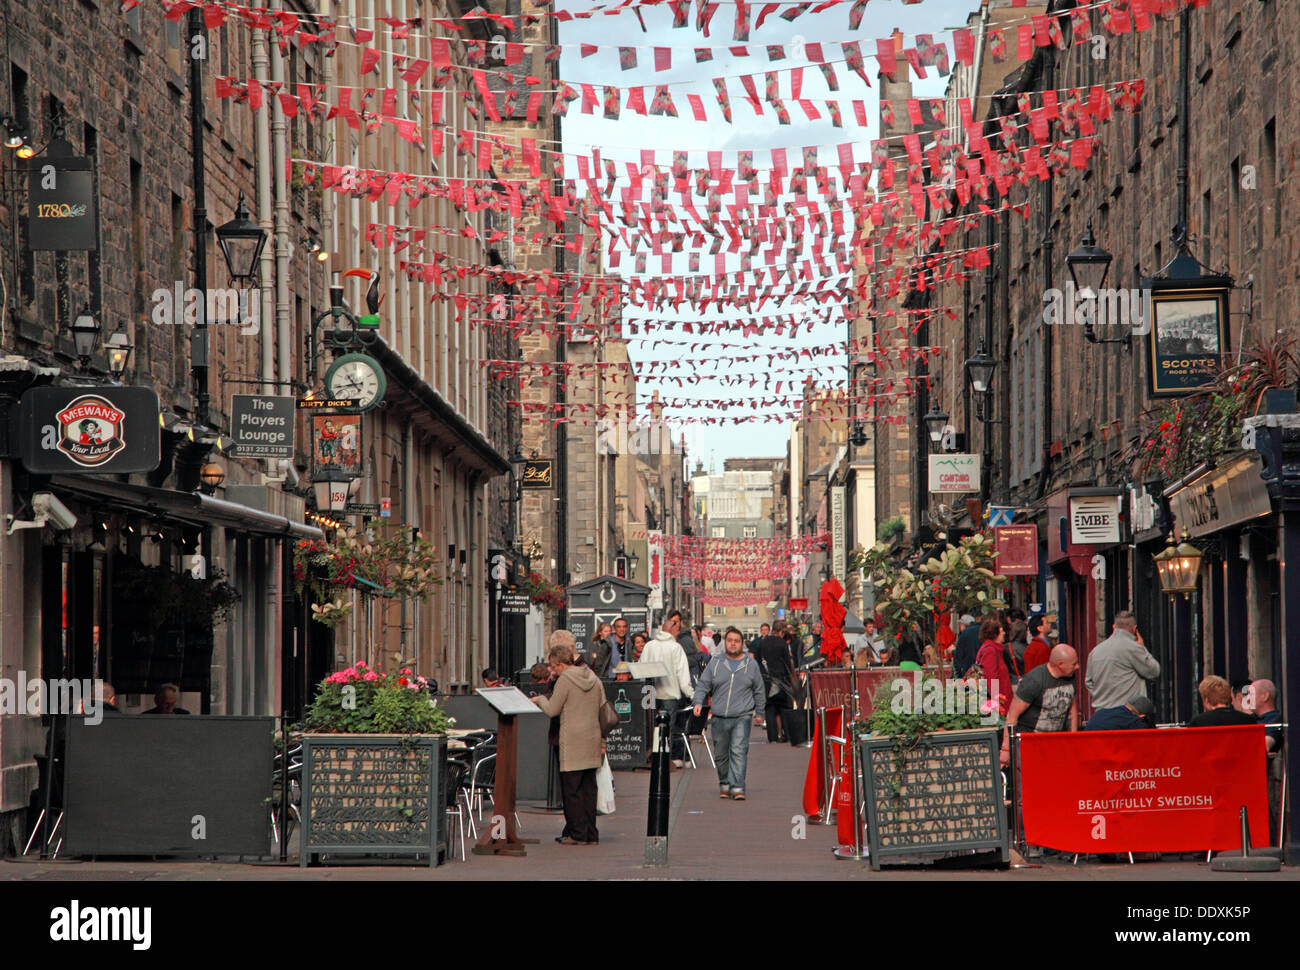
(192, 507)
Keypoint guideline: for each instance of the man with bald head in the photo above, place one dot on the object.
(1045, 697)
(1266, 711)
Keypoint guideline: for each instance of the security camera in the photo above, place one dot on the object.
(49, 509)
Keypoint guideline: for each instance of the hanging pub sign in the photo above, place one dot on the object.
(61, 211)
(537, 473)
(336, 442)
(1187, 333)
(89, 430)
(954, 473)
(262, 425)
(1017, 549)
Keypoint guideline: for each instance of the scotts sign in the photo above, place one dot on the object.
(110, 430)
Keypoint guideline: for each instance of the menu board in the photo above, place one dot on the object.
(627, 746)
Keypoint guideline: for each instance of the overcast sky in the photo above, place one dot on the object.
(623, 139)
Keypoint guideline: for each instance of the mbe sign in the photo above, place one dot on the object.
(262, 426)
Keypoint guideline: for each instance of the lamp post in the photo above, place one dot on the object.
(119, 353)
(241, 241)
(936, 422)
(332, 486)
(1088, 266)
(85, 335)
(1177, 567)
(211, 476)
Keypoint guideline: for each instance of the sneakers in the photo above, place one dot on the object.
(737, 795)
(678, 763)
(724, 792)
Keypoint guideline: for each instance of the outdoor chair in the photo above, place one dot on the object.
(456, 772)
(694, 727)
(482, 782)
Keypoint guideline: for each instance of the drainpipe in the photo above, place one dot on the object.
(279, 129)
(199, 340)
(262, 173)
(1184, 110)
(1049, 247)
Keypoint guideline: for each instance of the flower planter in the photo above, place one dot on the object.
(945, 802)
(374, 794)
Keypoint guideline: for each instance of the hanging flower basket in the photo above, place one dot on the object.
(389, 565)
(546, 595)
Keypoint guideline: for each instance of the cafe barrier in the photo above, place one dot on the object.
(1143, 791)
(821, 765)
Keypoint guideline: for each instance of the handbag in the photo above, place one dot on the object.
(608, 718)
(604, 788)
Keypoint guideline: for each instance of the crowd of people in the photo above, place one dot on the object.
(730, 685)
(711, 679)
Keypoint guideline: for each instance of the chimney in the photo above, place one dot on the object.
(897, 35)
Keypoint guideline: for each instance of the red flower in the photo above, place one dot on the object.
(403, 681)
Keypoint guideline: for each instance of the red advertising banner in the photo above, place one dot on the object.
(798, 604)
(1017, 549)
(1165, 790)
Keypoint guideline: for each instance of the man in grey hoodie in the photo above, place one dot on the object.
(1119, 667)
(735, 682)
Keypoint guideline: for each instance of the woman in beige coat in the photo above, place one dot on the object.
(576, 700)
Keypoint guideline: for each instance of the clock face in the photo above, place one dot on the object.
(357, 377)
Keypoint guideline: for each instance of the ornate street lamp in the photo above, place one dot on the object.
(1088, 266)
(241, 242)
(119, 352)
(979, 371)
(858, 436)
(85, 335)
(935, 422)
(1178, 566)
(332, 487)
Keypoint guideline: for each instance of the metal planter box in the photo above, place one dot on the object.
(374, 794)
(949, 799)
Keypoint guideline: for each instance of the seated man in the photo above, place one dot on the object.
(1216, 698)
(1137, 712)
(1266, 712)
(165, 699)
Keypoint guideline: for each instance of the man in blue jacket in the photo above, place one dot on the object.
(735, 683)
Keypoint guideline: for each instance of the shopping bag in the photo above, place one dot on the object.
(604, 788)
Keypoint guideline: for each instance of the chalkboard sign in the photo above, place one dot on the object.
(628, 745)
(945, 801)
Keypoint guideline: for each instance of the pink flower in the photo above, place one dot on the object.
(361, 663)
(348, 674)
(370, 675)
(406, 670)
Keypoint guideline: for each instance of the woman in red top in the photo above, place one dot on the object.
(991, 662)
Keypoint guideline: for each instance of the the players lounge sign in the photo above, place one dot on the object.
(109, 430)
(954, 473)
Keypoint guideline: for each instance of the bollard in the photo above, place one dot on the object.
(1249, 860)
(656, 832)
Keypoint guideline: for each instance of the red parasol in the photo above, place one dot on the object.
(832, 620)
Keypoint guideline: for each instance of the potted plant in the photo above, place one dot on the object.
(912, 605)
(547, 595)
(931, 780)
(374, 774)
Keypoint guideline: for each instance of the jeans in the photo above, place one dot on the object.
(731, 749)
(676, 745)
